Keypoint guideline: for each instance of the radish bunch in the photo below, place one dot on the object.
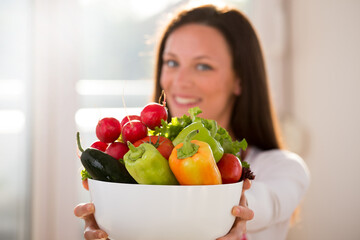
(113, 134)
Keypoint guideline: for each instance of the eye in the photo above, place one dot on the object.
(171, 63)
(203, 67)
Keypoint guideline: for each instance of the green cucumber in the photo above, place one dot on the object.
(102, 166)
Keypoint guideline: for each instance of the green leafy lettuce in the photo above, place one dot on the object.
(172, 129)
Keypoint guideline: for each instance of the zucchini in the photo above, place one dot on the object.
(102, 166)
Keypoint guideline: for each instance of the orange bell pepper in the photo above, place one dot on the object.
(193, 163)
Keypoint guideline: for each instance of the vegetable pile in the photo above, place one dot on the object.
(147, 149)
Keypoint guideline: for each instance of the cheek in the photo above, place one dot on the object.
(218, 88)
(222, 95)
(164, 82)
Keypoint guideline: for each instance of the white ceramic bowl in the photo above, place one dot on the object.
(159, 212)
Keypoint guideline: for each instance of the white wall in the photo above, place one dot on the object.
(325, 64)
(54, 166)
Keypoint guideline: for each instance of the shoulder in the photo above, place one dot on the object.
(277, 162)
(274, 155)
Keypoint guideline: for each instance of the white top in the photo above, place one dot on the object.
(281, 180)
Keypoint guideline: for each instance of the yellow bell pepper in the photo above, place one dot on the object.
(193, 163)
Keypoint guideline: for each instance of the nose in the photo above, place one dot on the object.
(183, 78)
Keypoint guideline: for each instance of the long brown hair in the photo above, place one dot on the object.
(252, 115)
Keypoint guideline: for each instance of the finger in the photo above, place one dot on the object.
(242, 212)
(92, 230)
(230, 236)
(83, 210)
(243, 200)
(246, 184)
(239, 227)
(92, 234)
(236, 232)
(90, 222)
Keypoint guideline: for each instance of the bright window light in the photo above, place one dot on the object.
(12, 121)
(145, 8)
(87, 118)
(140, 9)
(219, 3)
(11, 87)
(195, 3)
(114, 87)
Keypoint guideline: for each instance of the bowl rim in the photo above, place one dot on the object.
(168, 186)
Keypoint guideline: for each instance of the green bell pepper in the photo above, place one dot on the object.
(147, 166)
(204, 136)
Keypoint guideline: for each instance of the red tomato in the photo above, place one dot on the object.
(230, 168)
(162, 144)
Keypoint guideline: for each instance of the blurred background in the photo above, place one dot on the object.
(64, 64)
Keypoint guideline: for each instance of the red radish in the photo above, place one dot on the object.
(230, 168)
(128, 118)
(108, 130)
(133, 131)
(117, 150)
(99, 145)
(152, 114)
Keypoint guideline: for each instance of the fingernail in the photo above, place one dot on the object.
(236, 211)
(90, 208)
(102, 235)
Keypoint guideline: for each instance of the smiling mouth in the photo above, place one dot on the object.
(186, 101)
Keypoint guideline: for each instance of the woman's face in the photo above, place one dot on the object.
(197, 71)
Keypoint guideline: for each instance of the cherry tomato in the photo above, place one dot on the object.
(230, 168)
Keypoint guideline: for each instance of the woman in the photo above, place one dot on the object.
(211, 58)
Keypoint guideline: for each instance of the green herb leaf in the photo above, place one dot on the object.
(211, 125)
(172, 129)
(245, 164)
(230, 146)
(194, 112)
(85, 175)
(243, 144)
